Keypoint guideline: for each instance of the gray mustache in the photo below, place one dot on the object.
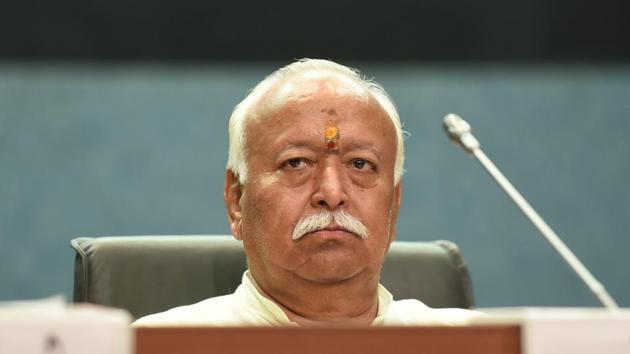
(319, 221)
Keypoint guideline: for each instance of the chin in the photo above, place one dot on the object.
(327, 279)
(330, 269)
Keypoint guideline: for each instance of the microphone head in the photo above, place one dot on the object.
(460, 132)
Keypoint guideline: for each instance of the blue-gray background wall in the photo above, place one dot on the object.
(127, 149)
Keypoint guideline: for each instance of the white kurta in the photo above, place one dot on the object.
(248, 307)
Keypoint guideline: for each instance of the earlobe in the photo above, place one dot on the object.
(232, 192)
(397, 197)
(395, 209)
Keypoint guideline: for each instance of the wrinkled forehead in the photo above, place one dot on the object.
(324, 112)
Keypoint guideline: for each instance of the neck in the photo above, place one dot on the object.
(350, 302)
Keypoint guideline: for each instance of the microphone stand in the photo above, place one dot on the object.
(459, 131)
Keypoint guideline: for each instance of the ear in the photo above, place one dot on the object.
(395, 209)
(232, 192)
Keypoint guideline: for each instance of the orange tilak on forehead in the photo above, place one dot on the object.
(331, 135)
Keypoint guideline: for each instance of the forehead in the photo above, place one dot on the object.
(304, 86)
(312, 107)
(297, 88)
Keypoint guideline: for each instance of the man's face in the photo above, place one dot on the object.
(294, 173)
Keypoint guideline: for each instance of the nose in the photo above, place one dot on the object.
(330, 190)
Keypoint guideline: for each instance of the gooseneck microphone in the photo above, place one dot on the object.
(460, 132)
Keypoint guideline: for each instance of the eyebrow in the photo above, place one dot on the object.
(362, 146)
(295, 146)
(354, 145)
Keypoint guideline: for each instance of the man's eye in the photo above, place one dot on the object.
(296, 163)
(359, 163)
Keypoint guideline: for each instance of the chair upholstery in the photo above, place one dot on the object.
(148, 274)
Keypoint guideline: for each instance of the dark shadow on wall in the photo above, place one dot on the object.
(398, 30)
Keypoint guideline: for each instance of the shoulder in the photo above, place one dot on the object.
(218, 311)
(414, 312)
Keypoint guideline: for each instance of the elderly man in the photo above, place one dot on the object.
(313, 190)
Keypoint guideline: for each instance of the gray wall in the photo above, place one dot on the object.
(123, 150)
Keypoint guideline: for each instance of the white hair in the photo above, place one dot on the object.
(247, 109)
